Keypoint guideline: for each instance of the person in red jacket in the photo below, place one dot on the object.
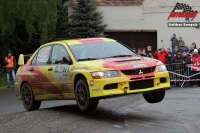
(195, 60)
(161, 54)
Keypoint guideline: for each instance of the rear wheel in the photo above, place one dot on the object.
(154, 97)
(28, 98)
(83, 100)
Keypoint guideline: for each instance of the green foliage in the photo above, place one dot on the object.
(85, 20)
(26, 24)
(44, 12)
(2, 77)
(61, 26)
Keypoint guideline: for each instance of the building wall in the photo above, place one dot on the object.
(152, 15)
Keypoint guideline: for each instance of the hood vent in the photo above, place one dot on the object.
(128, 60)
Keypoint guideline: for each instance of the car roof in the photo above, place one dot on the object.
(82, 41)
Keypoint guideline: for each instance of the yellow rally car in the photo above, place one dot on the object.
(87, 70)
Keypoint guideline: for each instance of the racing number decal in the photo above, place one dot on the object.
(61, 73)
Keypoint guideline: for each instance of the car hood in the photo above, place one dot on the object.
(120, 63)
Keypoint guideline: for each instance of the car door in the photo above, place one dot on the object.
(58, 72)
(37, 74)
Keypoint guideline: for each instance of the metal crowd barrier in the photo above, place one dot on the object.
(181, 73)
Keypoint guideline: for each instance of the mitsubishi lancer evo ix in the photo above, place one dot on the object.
(87, 70)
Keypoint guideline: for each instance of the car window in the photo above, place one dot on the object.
(59, 55)
(42, 57)
(99, 50)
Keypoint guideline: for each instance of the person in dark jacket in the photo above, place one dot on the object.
(180, 42)
(149, 52)
(174, 41)
(169, 59)
(10, 65)
(178, 67)
(178, 58)
(186, 58)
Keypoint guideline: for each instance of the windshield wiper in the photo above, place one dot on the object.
(115, 56)
(88, 59)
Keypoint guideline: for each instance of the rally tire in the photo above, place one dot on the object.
(28, 98)
(154, 97)
(83, 100)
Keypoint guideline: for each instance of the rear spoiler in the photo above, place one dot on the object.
(23, 58)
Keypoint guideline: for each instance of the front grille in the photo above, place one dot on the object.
(138, 71)
(142, 84)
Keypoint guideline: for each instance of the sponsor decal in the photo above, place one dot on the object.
(82, 68)
(91, 83)
(61, 73)
(65, 88)
(72, 68)
(95, 89)
(180, 11)
(183, 24)
(133, 63)
(138, 65)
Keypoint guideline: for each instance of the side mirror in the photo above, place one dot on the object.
(66, 60)
(21, 60)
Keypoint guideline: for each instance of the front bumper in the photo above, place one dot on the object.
(123, 85)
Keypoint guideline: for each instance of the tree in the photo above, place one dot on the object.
(44, 12)
(62, 21)
(85, 21)
(26, 24)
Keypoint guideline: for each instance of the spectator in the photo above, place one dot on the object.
(174, 42)
(143, 53)
(184, 48)
(10, 65)
(139, 51)
(178, 58)
(149, 52)
(199, 50)
(169, 50)
(178, 67)
(180, 42)
(195, 60)
(194, 44)
(191, 52)
(195, 57)
(186, 58)
(161, 54)
(134, 49)
(169, 59)
(176, 50)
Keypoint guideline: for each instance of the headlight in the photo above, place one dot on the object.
(162, 68)
(105, 74)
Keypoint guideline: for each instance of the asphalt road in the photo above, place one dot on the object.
(179, 112)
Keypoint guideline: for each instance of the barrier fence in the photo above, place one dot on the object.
(181, 73)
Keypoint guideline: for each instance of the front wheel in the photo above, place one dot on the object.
(154, 97)
(28, 98)
(83, 100)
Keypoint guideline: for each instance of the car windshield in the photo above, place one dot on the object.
(100, 50)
